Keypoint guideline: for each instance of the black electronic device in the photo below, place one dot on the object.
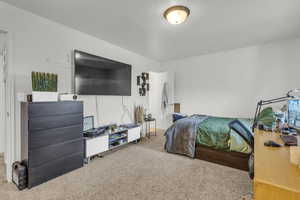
(289, 140)
(19, 175)
(89, 129)
(95, 75)
(94, 133)
(271, 143)
(131, 125)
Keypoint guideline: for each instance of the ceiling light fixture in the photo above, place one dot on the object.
(176, 14)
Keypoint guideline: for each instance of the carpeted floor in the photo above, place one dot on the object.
(140, 172)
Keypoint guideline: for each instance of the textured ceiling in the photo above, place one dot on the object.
(138, 25)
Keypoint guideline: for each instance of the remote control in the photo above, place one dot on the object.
(271, 143)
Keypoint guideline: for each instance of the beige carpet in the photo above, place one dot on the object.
(140, 172)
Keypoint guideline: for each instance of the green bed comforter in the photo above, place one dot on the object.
(214, 132)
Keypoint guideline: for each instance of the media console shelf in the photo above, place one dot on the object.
(109, 141)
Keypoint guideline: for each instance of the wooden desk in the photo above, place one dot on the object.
(275, 177)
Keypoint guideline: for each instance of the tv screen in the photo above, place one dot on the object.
(95, 75)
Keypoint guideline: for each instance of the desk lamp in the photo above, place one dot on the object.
(261, 103)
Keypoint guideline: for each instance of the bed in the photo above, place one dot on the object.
(209, 138)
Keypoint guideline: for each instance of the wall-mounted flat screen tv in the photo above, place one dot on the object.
(95, 75)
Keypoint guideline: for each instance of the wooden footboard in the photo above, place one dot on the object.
(231, 159)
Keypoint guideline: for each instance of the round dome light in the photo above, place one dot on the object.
(176, 14)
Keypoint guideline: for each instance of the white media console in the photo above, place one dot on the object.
(108, 141)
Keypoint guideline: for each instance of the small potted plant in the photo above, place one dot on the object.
(44, 86)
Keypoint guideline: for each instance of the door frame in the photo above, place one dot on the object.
(2, 94)
(9, 107)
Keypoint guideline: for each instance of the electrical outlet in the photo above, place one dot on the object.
(21, 97)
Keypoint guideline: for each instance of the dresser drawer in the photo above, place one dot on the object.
(43, 155)
(53, 169)
(54, 136)
(39, 109)
(42, 123)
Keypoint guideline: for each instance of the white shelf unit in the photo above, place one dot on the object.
(96, 145)
(134, 134)
(101, 144)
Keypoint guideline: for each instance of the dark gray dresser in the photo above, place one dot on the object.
(52, 141)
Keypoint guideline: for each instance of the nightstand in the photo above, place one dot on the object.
(148, 122)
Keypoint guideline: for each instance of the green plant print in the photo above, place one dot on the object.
(46, 82)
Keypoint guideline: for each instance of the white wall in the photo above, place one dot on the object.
(42, 45)
(230, 83)
(2, 90)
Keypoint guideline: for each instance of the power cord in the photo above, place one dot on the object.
(97, 111)
(124, 111)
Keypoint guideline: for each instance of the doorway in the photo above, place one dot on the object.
(3, 65)
(161, 84)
